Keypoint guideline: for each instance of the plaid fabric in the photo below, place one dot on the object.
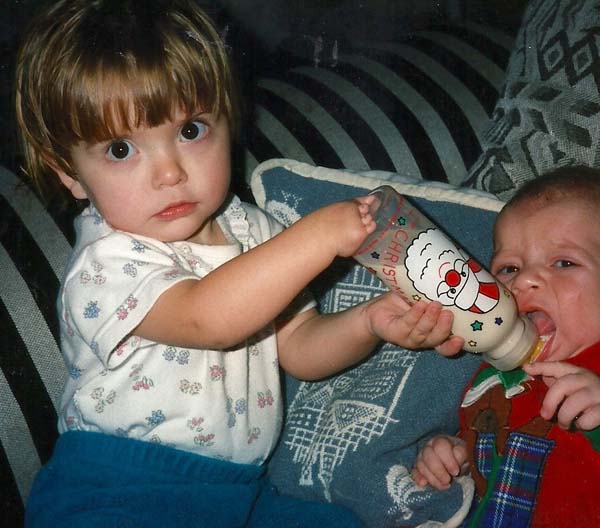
(484, 453)
(517, 478)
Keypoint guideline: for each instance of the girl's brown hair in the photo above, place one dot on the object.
(89, 69)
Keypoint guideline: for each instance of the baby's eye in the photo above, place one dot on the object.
(120, 150)
(563, 263)
(507, 270)
(193, 130)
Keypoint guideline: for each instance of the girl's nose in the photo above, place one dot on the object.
(168, 170)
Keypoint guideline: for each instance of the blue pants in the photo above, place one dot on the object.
(95, 480)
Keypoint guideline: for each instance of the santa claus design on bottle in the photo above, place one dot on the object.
(442, 272)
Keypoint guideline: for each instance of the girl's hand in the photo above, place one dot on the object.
(573, 395)
(442, 459)
(423, 325)
(345, 225)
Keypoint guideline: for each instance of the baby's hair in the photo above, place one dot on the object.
(573, 183)
(88, 70)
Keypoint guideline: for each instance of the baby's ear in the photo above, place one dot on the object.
(72, 184)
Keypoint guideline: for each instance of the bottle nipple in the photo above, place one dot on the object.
(537, 349)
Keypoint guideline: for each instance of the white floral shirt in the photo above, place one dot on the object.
(220, 404)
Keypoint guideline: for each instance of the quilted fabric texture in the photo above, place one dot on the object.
(548, 115)
(353, 438)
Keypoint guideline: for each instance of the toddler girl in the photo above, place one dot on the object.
(180, 302)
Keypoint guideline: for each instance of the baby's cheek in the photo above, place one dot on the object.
(580, 313)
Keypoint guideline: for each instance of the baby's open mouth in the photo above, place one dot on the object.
(542, 322)
(545, 327)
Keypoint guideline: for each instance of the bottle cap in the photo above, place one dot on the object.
(516, 348)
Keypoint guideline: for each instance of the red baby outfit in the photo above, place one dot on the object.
(527, 470)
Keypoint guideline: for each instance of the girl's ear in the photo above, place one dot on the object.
(77, 190)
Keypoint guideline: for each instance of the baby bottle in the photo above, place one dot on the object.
(413, 257)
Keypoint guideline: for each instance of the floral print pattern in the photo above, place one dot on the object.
(129, 305)
(189, 387)
(102, 399)
(182, 357)
(156, 418)
(92, 310)
(209, 402)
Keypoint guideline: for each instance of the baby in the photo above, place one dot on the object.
(531, 437)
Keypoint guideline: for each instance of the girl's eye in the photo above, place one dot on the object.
(120, 150)
(193, 130)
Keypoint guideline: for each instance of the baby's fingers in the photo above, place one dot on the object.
(434, 474)
(551, 370)
(439, 462)
(581, 409)
(588, 420)
(571, 391)
(572, 410)
(418, 477)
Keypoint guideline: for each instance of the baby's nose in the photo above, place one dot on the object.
(528, 278)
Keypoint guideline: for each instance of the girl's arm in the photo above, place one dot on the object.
(245, 294)
(313, 346)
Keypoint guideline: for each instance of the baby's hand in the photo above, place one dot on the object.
(443, 458)
(423, 325)
(573, 395)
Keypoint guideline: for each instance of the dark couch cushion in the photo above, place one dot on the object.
(417, 106)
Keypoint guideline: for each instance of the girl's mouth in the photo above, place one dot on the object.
(176, 210)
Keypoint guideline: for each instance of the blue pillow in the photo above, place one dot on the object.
(353, 438)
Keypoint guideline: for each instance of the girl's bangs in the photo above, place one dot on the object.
(111, 101)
